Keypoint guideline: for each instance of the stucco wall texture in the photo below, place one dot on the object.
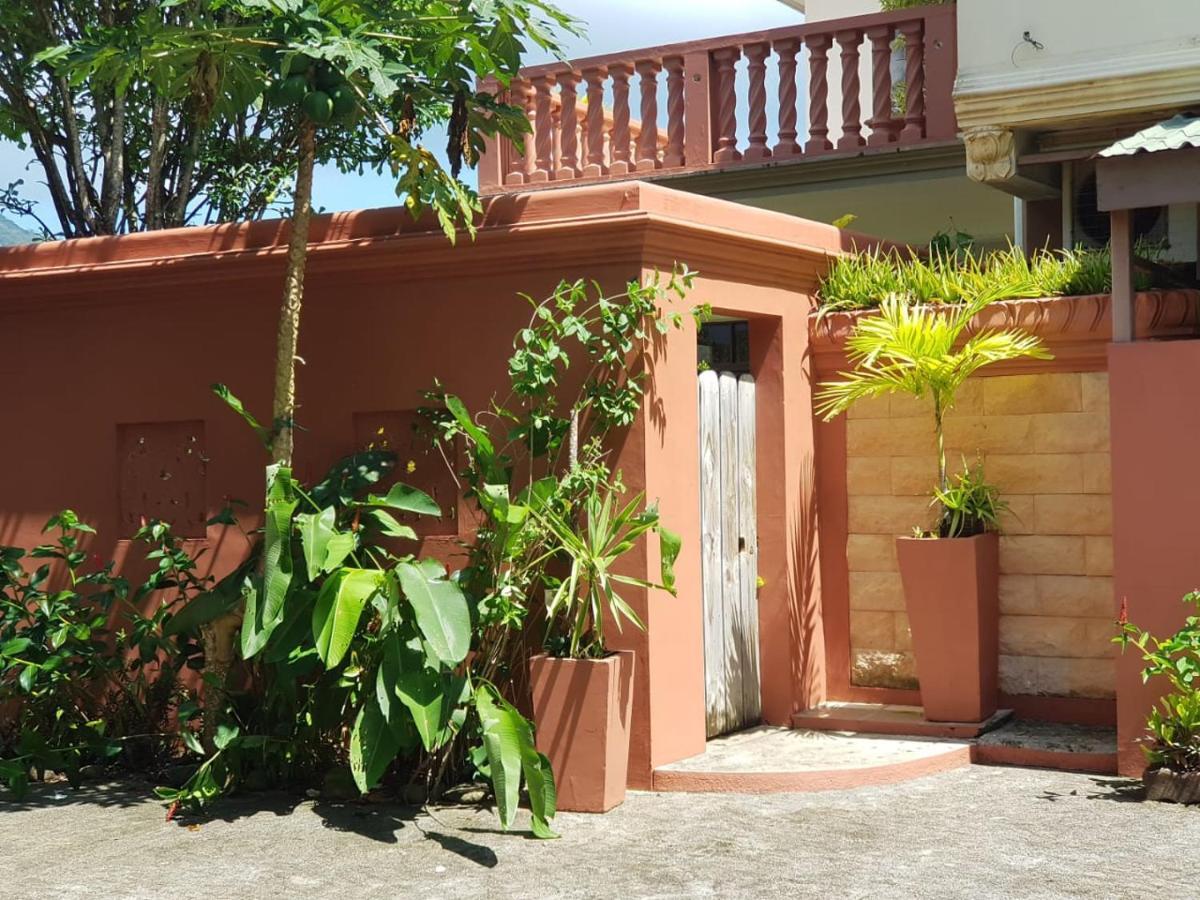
(1044, 441)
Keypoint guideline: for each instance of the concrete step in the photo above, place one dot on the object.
(1049, 745)
(769, 759)
(879, 718)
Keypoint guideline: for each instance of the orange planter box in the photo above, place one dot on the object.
(951, 588)
(582, 710)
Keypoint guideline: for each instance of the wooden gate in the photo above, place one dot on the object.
(729, 552)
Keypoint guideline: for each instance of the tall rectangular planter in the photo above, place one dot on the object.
(951, 588)
(581, 710)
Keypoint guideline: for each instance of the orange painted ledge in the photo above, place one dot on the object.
(666, 780)
(1029, 757)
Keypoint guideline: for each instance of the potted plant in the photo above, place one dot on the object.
(950, 573)
(1172, 742)
(582, 690)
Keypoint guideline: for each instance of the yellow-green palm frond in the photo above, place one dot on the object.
(919, 350)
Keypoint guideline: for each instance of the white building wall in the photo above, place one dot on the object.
(1080, 40)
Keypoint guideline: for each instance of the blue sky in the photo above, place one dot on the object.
(612, 25)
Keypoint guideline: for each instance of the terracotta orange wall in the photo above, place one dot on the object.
(1156, 533)
(132, 331)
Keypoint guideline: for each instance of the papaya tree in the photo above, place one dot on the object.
(369, 77)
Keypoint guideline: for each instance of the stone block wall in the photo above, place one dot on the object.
(1044, 441)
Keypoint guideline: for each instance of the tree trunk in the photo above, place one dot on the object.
(219, 635)
(284, 407)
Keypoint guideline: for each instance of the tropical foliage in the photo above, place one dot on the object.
(345, 633)
(592, 543)
(953, 273)
(924, 351)
(85, 674)
(969, 505)
(1173, 726)
(538, 468)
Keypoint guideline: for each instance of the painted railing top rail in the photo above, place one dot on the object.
(581, 114)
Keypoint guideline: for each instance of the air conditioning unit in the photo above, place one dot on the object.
(1091, 226)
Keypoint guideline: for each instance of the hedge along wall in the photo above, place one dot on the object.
(1041, 430)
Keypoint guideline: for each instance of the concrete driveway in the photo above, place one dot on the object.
(975, 832)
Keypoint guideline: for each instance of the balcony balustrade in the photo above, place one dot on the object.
(694, 100)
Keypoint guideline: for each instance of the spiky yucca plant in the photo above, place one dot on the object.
(922, 350)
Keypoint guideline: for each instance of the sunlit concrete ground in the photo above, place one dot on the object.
(974, 832)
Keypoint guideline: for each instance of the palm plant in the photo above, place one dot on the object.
(593, 543)
(923, 350)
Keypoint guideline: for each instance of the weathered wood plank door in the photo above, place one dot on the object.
(729, 551)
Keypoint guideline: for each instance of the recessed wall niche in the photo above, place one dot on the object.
(161, 474)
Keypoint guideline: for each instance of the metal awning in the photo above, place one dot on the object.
(1173, 134)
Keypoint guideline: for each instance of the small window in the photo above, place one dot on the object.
(724, 346)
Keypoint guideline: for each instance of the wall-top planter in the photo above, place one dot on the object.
(1077, 330)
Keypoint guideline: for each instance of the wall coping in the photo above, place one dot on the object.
(591, 220)
(1077, 330)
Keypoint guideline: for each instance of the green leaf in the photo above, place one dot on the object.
(255, 632)
(277, 545)
(406, 499)
(226, 735)
(388, 675)
(441, 610)
(340, 546)
(501, 739)
(669, 544)
(373, 746)
(430, 697)
(15, 646)
(339, 607)
(295, 629)
(508, 740)
(223, 597)
(543, 795)
(316, 529)
(352, 474)
(229, 399)
(191, 741)
(25, 679)
(388, 526)
(480, 437)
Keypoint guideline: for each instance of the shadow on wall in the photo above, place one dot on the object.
(808, 646)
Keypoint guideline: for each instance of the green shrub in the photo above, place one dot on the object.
(85, 674)
(1173, 727)
(889, 5)
(950, 273)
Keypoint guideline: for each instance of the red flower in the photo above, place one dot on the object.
(1123, 618)
(172, 810)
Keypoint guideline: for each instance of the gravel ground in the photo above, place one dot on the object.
(975, 832)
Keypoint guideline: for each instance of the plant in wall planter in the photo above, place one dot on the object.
(583, 691)
(950, 573)
(1172, 742)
